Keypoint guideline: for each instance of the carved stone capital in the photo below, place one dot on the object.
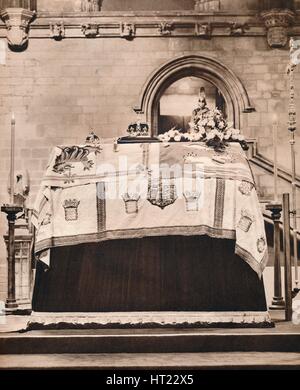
(17, 21)
(127, 30)
(277, 22)
(238, 29)
(90, 30)
(57, 31)
(165, 28)
(203, 30)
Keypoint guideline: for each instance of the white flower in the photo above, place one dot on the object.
(177, 138)
(197, 137)
(189, 136)
(211, 135)
(171, 133)
(221, 125)
(211, 123)
(220, 135)
(227, 135)
(201, 130)
(229, 125)
(240, 137)
(192, 125)
(235, 131)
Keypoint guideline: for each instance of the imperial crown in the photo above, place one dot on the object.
(131, 203)
(71, 203)
(138, 129)
(71, 209)
(192, 200)
(246, 220)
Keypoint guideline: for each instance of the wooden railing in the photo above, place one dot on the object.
(256, 158)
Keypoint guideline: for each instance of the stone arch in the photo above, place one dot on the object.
(207, 68)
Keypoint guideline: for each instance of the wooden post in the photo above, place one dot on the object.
(11, 211)
(277, 301)
(287, 257)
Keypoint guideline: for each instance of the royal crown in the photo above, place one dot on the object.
(130, 197)
(138, 129)
(71, 203)
(191, 196)
(131, 203)
(192, 200)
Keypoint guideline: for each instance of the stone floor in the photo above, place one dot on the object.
(232, 360)
(179, 360)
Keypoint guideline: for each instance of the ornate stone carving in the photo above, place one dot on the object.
(207, 5)
(17, 21)
(127, 30)
(203, 30)
(91, 5)
(237, 29)
(90, 30)
(165, 28)
(277, 22)
(57, 31)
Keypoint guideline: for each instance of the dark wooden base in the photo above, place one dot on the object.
(150, 274)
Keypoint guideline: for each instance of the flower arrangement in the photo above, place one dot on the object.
(207, 125)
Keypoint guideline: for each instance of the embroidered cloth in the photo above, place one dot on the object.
(93, 194)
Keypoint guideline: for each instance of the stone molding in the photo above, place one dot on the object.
(150, 24)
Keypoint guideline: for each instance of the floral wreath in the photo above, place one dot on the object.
(207, 125)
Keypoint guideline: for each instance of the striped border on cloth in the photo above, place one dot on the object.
(219, 203)
(146, 155)
(101, 206)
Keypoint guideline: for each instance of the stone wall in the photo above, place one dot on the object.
(59, 90)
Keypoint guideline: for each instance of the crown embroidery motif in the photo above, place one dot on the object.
(131, 203)
(71, 209)
(246, 221)
(192, 200)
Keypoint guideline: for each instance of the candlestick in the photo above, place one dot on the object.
(12, 159)
(275, 139)
(292, 128)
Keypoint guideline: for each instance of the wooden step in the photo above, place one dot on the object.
(182, 361)
(282, 338)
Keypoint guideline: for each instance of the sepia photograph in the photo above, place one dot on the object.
(149, 188)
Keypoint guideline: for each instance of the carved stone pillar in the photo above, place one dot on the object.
(17, 22)
(277, 22)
